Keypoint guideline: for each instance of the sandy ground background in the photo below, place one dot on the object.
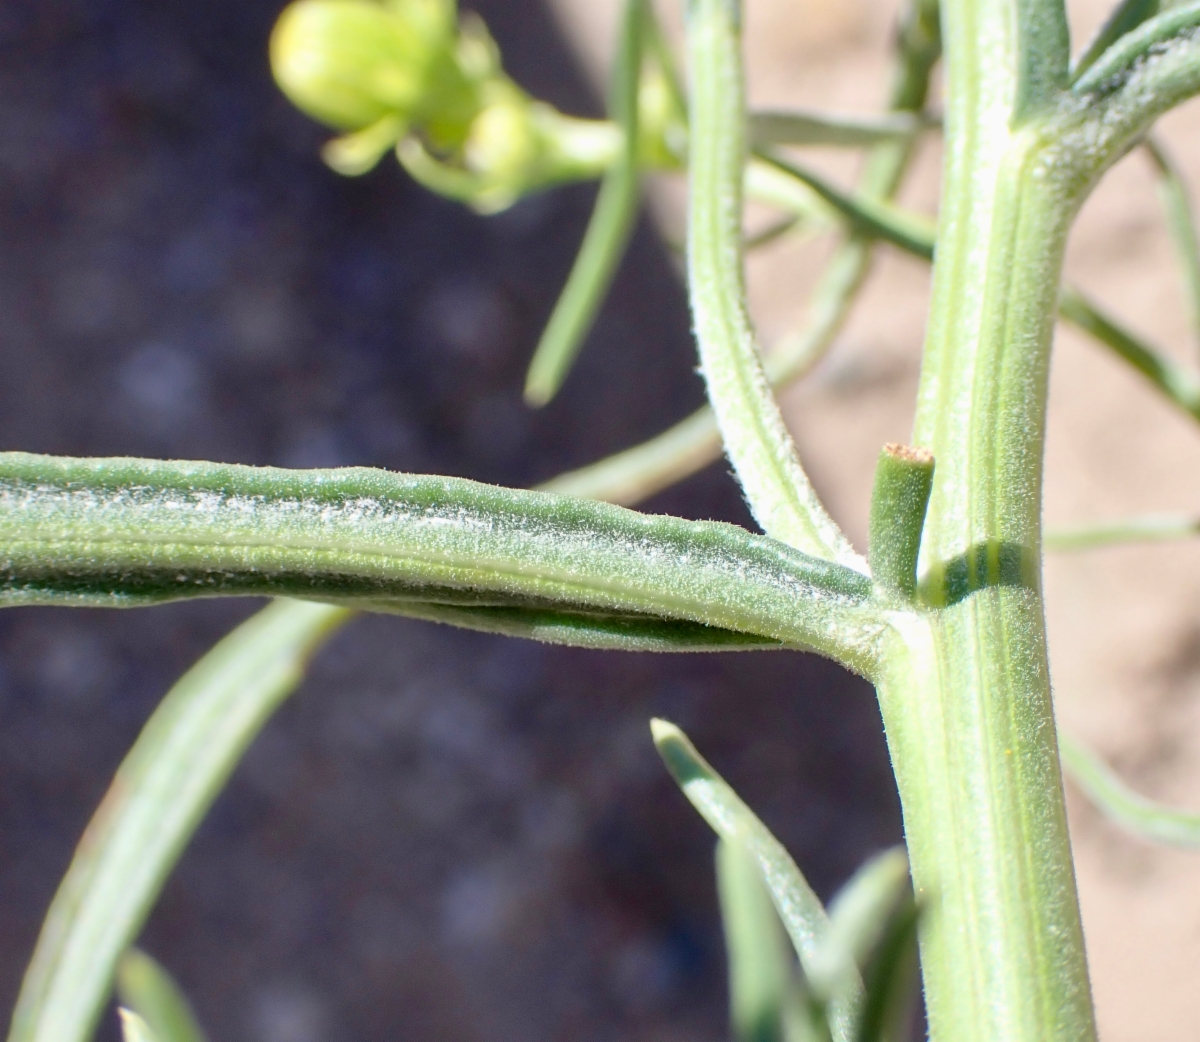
(445, 835)
(1125, 641)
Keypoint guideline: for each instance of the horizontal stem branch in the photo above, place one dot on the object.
(125, 532)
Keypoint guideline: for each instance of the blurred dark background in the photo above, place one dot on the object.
(443, 835)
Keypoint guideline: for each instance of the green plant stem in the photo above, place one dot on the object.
(637, 473)
(755, 437)
(965, 694)
(903, 480)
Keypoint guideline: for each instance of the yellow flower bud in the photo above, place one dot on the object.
(350, 63)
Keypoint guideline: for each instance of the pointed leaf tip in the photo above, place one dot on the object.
(133, 1028)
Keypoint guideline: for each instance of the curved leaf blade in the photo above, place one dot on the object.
(161, 791)
(121, 532)
(858, 920)
(803, 916)
(134, 1028)
(607, 232)
(760, 971)
(148, 990)
(1142, 817)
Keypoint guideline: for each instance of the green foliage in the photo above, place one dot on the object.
(867, 932)
(147, 989)
(175, 770)
(956, 648)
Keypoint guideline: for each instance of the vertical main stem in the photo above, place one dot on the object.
(964, 689)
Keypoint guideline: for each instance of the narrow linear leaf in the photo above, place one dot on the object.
(608, 632)
(147, 989)
(767, 184)
(801, 911)
(1126, 16)
(1150, 529)
(864, 215)
(760, 971)
(1181, 224)
(1153, 36)
(161, 792)
(639, 472)
(838, 131)
(1133, 812)
(759, 446)
(608, 231)
(892, 980)
(122, 532)
(1170, 378)
(858, 920)
(134, 1028)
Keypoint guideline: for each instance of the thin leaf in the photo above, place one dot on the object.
(759, 446)
(839, 131)
(1150, 529)
(161, 792)
(608, 231)
(122, 532)
(799, 908)
(147, 989)
(865, 215)
(1131, 49)
(630, 476)
(1133, 812)
(892, 979)
(1179, 385)
(638, 473)
(600, 632)
(767, 184)
(858, 919)
(1126, 16)
(760, 970)
(1177, 206)
(134, 1028)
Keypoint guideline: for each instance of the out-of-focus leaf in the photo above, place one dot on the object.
(1128, 14)
(145, 987)
(162, 789)
(892, 979)
(820, 128)
(858, 919)
(760, 968)
(1181, 223)
(607, 232)
(1133, 812)
(134, 1028)
(1177, 383)
(1153, 528)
